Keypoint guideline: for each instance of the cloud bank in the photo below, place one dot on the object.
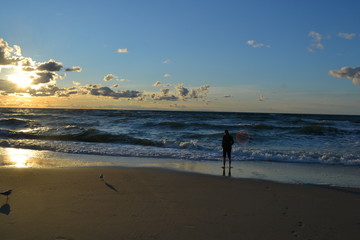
(44, 76)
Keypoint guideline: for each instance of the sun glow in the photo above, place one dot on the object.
(21, 79)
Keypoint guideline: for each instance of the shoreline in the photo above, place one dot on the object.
(151, 203)
(284, 172)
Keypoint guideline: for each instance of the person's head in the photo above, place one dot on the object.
(226, 132)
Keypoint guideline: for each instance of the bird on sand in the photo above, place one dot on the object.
(101, 176)
(6, 193)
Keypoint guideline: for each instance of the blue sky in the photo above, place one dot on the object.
(252, 56)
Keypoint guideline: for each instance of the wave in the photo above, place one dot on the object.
(15, 123)
(318, 130)
(186, 153)
(80, 135)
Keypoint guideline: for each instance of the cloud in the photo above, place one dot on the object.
(7, 87)
(74, 69)
(109, 77)
(316, 39)
(7, 53)
(179, 92)
(122, 50)
(44, 76)
(199, 92)
(97, 90)
(51, 66)
(347, 72)
(167, 61)
(107, 92)
(40, 73)
(159, 84)
(347, 36)
(261, 98)
(182, 91)
(164, 94)
(256, 45)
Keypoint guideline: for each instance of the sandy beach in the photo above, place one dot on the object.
(149, 203)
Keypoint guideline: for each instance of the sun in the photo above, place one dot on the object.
(21, 79)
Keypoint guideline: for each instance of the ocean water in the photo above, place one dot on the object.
(190, 136)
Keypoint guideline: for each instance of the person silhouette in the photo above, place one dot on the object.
(227, 142)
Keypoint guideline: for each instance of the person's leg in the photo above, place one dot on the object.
(229, 154)
(224, 158)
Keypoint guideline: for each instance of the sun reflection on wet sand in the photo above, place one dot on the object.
(20, 158)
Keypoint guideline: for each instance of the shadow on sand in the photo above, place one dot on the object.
(111, 187)
(5, 209)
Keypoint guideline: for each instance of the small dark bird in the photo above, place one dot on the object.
(101, 176)
(6, 193)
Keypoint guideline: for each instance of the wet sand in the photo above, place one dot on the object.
(149, 203)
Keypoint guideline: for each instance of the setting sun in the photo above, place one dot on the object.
(21, 79)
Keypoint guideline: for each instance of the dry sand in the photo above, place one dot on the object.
(134, 203)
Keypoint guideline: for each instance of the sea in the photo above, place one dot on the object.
(184, 140)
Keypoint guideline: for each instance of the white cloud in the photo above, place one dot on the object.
(167, 61)
(347, 36)
(257, 45)
(17, 50)
(347, 72)
(250, 42)
(109, 77)
(122, 79)
(167, 75)
(122, 50)
(316, 39)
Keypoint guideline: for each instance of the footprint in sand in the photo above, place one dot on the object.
(294, 233)
(63, 238)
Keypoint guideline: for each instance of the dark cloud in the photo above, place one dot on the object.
(183, 92)
(7, 87)
(180, 92)
(46, 90)
(74, 69)
(45, 77)
(51, 66)
(98, 90)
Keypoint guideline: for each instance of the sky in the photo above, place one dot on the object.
(284, 56)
